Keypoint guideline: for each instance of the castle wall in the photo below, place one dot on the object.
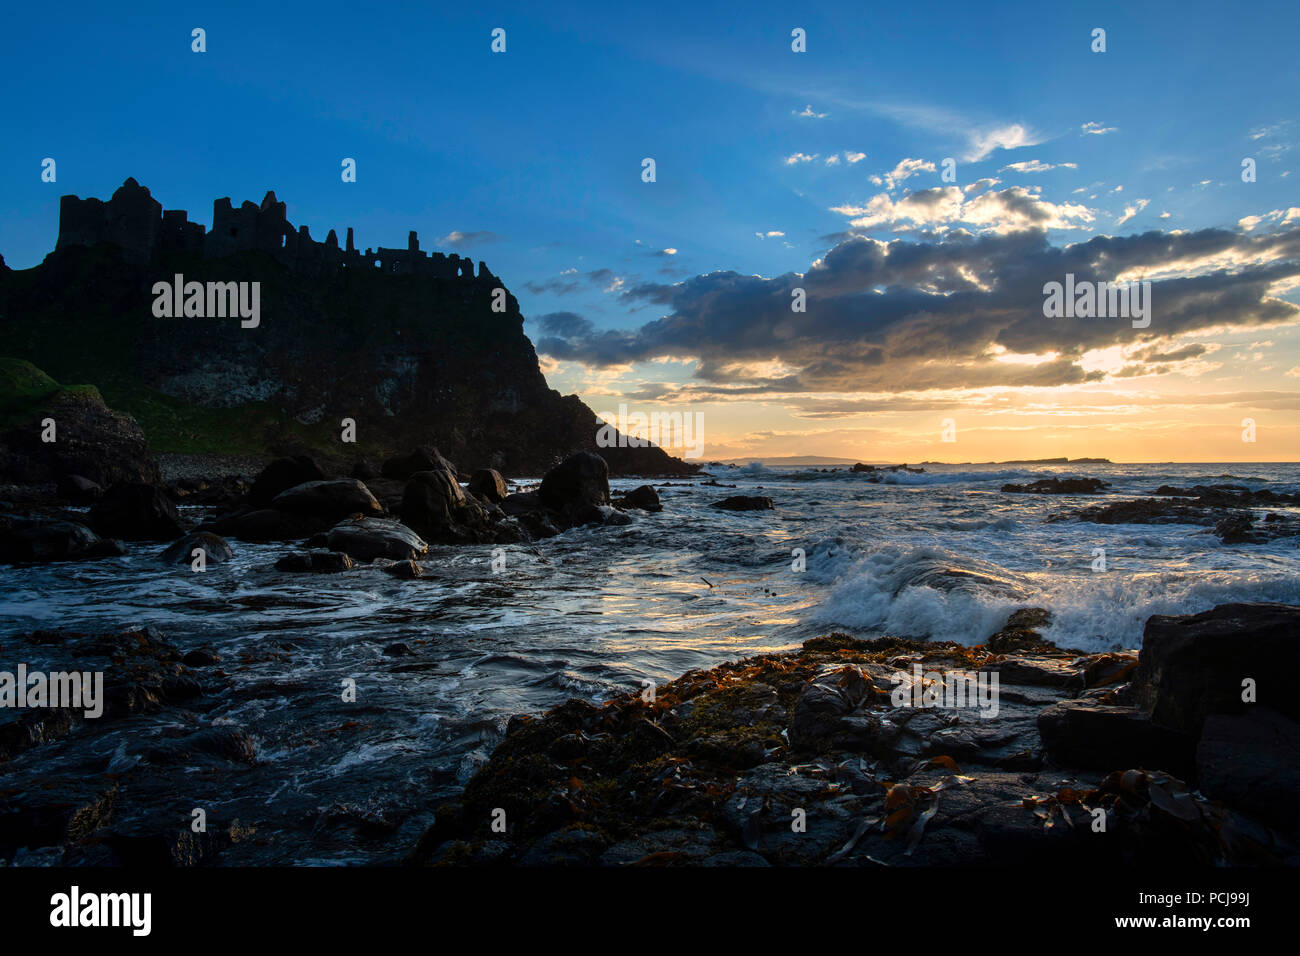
(136, 222)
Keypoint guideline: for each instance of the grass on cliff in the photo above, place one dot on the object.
(24, 388)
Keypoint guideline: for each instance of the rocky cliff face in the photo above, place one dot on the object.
(410, 351)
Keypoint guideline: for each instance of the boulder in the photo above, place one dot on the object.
(262, 524)
(644, 498)
(436, 508)
(328, 500)
(78, 489)
(281, 475)
(488, 484)
(423, 458)
(1081, 733)
(1193, 665)
(581, 479)
(213, 545)
(50, 539)
(135, 511)
(745, 503)
(368, 538)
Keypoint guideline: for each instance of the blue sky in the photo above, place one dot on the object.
(766, 159)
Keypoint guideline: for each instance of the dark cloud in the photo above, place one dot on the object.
(900, 315)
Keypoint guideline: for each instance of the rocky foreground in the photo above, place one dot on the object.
(1183, 754)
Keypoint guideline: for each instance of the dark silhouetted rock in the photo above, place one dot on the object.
(644, 498)
(263, 524)
(745, 503)
(488, 484)
(136, 512)
(49, 539)
(1252, 762)
(581, 479)
(1061, 486)
(423, 458)
(78, 489)
(1080, 733)
(320, 562)
(281, 475)
(1194, 665)
(182, 551)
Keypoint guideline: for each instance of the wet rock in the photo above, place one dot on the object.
(1194, 665)
(745, 503)
(182, 552)
(1060, 486)
(1139, 511)
(364, 470)
(644, 498)
(399, 650)
(436, 508)
(488, 484)
(136, 512)
(404, 570)
(328, 500)
(820, 717)
(368, 538)
(321, 561)
(78, 489)
(281, 475)
(49, 539)
(263, 524)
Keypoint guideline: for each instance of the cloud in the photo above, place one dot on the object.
(984, 142)
(1133, 210)
(1035, 166)
(809, 113)
(795, 158)
(853, 157)
(1097, 129)
(463, 240)
(905, 169)
(770, 234)
(905, 316)
(1008, 210)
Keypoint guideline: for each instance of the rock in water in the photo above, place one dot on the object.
(488, 484)
(745, 503)
(580, 480)
(644, 498)
(136, 512)
(368, 538)
(48, 539)
(281, 475)
(1060, 486)
(328, 500)
(182, 552)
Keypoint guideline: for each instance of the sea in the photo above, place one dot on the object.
(601, 611)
